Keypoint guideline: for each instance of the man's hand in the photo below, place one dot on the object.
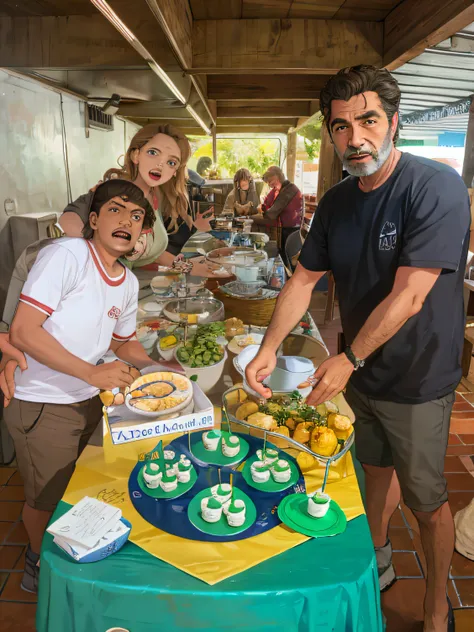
(109, 375)
(260, 368)
(332, 376)
(11, 359)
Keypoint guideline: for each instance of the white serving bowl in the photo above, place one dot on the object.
(207, 376)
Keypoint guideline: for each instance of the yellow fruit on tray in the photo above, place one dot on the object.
(285, 432)
(246, 409)
(306, 461)
(236, 397)
(341, 425)
(291, 423)
(302, 432)
(323, 441)
(261, 420)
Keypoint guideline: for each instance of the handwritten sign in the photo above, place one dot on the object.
(186, 423)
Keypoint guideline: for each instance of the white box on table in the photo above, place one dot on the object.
(142, 428)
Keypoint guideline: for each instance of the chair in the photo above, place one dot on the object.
(293, 246)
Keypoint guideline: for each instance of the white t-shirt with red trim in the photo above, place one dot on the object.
(86, 308)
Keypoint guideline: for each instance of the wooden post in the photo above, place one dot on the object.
(468, 165)
(291, 157)
(214, 144)
(330, 172)
(330, 167)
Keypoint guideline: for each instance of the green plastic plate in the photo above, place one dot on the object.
(222, 527)
(215, 457)
(270, 485)
(159, 493)
(292, 511)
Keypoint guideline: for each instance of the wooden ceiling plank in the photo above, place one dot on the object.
(250, 109)
(216, 9)
(75, 42)
(250, 46)
(242, 87)
(417, 24)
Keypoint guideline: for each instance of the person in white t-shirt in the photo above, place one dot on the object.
(78, 302)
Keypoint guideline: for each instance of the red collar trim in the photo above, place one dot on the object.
(98, 263)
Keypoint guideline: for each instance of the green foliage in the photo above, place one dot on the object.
(256, 155)
(311, 134)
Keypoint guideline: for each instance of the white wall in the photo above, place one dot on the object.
(32, 161)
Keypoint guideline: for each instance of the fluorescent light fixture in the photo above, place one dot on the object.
(198, 119)
(114, 19)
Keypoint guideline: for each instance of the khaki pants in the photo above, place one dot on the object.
(49, 439)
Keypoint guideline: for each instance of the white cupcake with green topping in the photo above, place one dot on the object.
(211, 440)
(318, 504)
(260, 472)
(281, 471)
(236, 513)
(268, 456)
(169, 481)
(222, 492)
(184, 471)
(211, 509)
(231, 445)
(152, 475)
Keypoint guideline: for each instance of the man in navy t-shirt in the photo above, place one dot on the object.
(395, 236)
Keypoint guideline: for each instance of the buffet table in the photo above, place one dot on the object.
(276, 581)
(325, 584)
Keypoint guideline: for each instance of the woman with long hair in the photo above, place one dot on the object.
(243, 199)
(156, 162)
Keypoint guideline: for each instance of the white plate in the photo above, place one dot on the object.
(234, 347)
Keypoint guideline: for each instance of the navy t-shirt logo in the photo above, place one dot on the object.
(388, 237)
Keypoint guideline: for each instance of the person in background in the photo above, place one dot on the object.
(282, 207)
(78, 302)
(203, 165)
(395, 235)
(243, 199)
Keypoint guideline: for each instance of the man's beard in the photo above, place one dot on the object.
(369, 168)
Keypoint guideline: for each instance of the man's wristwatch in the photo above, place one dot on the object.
(358, 364)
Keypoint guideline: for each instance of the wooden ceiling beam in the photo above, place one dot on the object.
(76, 42)
(260, 121)
(276, 87)
(252, 129)
(265, 109)
(305, 45)
(417, 24)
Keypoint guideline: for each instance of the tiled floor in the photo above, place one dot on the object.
(402, 604)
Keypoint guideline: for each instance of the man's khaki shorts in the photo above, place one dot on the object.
(412, 438)
(48, 440)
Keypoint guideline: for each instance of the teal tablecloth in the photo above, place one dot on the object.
(323, 585)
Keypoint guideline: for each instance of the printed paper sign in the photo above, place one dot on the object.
(186, 423)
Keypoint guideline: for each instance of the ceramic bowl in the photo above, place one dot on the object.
(207, 376)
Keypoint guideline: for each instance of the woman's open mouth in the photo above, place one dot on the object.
(122, 234)
(155, 174)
